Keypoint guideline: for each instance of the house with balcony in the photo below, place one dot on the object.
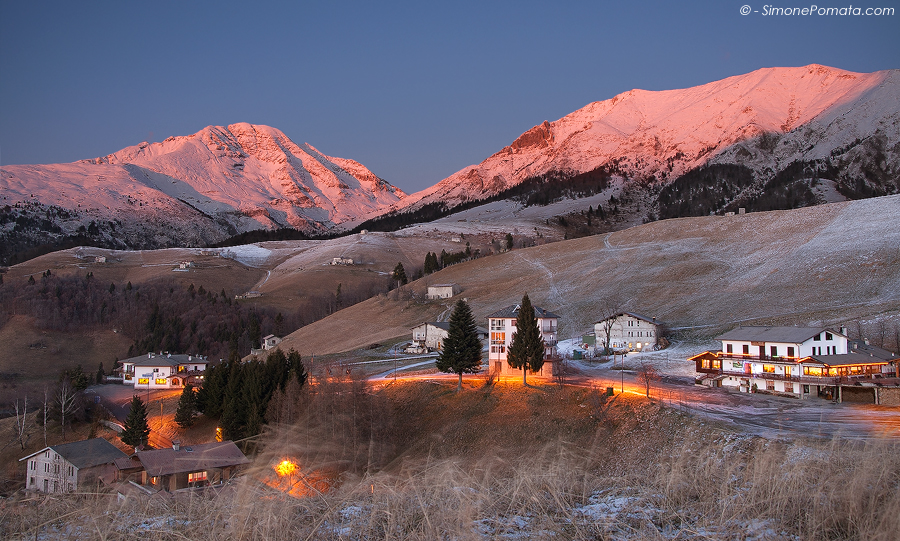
(627, 331)
(164, 371)
(799, 361)
(502, 326)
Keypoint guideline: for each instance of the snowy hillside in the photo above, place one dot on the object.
(218, 182)
(788, 114)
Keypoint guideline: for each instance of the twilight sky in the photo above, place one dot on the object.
(415, 91)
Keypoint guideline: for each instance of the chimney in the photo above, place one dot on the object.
(843, 330)
(149, 355)
(176, 445)
(866, 341)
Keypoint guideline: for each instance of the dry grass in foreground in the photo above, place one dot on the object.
(418, 461)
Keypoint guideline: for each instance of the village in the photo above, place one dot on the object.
(805, 363)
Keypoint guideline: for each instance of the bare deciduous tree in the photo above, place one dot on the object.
(647, 374)
(66, 400)
(21, 422)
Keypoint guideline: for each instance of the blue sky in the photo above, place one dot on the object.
(413, 90)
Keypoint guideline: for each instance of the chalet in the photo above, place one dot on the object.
(627, 332)
(430, 336)
(163, 371)
(65, 467)
(442, 291)
(799, 361)
(502, 325)
(342, 261)
(183, 466)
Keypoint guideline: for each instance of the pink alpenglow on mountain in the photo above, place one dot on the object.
(661, 135)
(241, 177)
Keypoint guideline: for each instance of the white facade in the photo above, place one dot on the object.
(49, 472)
(787, 342)
(628, 332)
(270, 342)
(61, 468)
(502, 326)
(165, 371)
(430, 335)
(442, 291)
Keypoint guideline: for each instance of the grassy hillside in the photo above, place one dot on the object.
(836, 263)
(419, 461)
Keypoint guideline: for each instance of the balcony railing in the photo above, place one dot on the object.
(814, 380)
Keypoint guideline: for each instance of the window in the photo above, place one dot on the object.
(160, 381)
(198, 476)
(773, 350)
(746, 349)
(729, 348)
(817, 338)
(829, 336)
(788, 387)
(813, 371)
(143, 381)
(770, 385)
(769, 368)
(498, 324)
(790, 351)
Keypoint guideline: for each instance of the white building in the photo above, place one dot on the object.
(430, 336)
(65, 467)
(794, 360)
(502, 326)
(270, 342)
(163, 371)
(627, 332)
(442, 291)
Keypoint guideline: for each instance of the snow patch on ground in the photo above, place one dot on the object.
(247, 254)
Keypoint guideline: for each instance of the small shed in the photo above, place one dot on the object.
(443, 291)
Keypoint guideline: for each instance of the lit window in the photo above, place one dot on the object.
(160, 381)
(194, 477)
(143, 381)
(770, 368)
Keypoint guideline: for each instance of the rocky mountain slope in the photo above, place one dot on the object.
(189, 190)
(814, 122)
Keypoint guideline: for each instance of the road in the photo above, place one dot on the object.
(116, 398)
(761, 414)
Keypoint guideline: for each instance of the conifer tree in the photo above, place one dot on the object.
(187, 407)
(234, 414)
(526, 351)
(399, 275)
(461, 353)
(136, 429)
(278, 369)
(295, 363)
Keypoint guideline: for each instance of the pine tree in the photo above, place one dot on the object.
(399, 275)
(295, 362)
(526, 351)
(187, 407)
(461, 353)
(136, 428)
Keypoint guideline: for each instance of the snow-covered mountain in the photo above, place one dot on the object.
(200, 188)
(764, 120)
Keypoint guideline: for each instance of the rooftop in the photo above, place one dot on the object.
(86, 453)
(513, 311)
(191, 458)
(789, 335)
